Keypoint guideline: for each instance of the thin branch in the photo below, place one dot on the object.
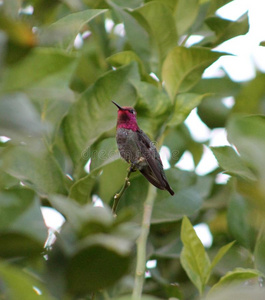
(142, 243)
(118, 196)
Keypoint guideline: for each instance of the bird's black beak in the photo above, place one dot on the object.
(119, 107)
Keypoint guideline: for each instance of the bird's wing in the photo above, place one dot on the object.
(149, 152)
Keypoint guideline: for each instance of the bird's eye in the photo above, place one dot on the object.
(131, 111)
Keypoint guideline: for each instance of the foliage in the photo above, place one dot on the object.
(56, 111)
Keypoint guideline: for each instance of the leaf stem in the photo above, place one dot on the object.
(118, 196)
(142, 243)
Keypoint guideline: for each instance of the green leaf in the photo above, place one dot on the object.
(247, 134)
(64, 31)
(184, 105)
(91, 267)
(35, 167)
(185, 202)
(238, 275)
(213, 112)
(194, 258)
(82, 216)
(159, 19)
(221, 253)
(22, 228)
(19, 118)
(133, 29)
(93, 114)
(103, 153)
(81, 190)
(240, 221)
(186, 14)
(16, 284)
(226, 29)
(250, 99)
(40, 65)
(259, 253)
(183, 68)
(231, 162)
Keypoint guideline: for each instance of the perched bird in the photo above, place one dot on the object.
(138, 150)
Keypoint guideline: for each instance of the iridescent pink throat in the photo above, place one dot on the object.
(127, 120)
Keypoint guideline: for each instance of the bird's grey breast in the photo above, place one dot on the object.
(127, 141)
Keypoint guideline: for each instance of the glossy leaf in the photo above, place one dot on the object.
(183, 68)
(231, 162)
(194, 258)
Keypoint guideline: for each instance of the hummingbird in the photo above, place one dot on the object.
(136, 148)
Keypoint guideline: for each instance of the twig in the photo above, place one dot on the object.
(142, 242)
(118, 196)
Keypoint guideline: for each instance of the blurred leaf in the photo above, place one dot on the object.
(125, 58)
(262, 43)
(221, 253)
(23, 232)
(183, 68)
(194, 258)
(186, 14)
(158, 19)
(35, 167)
(91, 267)
(185, 202)
(226, 29)
(3, 48)
(184, 105)
(247, 134)
(215, 4)
(218, 87)
(240, 221)
(96, 111)
(133, 29)
(231, 162)
(82, 188)
(82, 216)
(237, 292)
(111, 180)
(259, 253)
(64, 31)
(143, 297)
(103, 153)
(19, 118)
(213, 112)
(17, 284)
(17, 31)
(236, 276)
(41, 64)
(250, 99)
